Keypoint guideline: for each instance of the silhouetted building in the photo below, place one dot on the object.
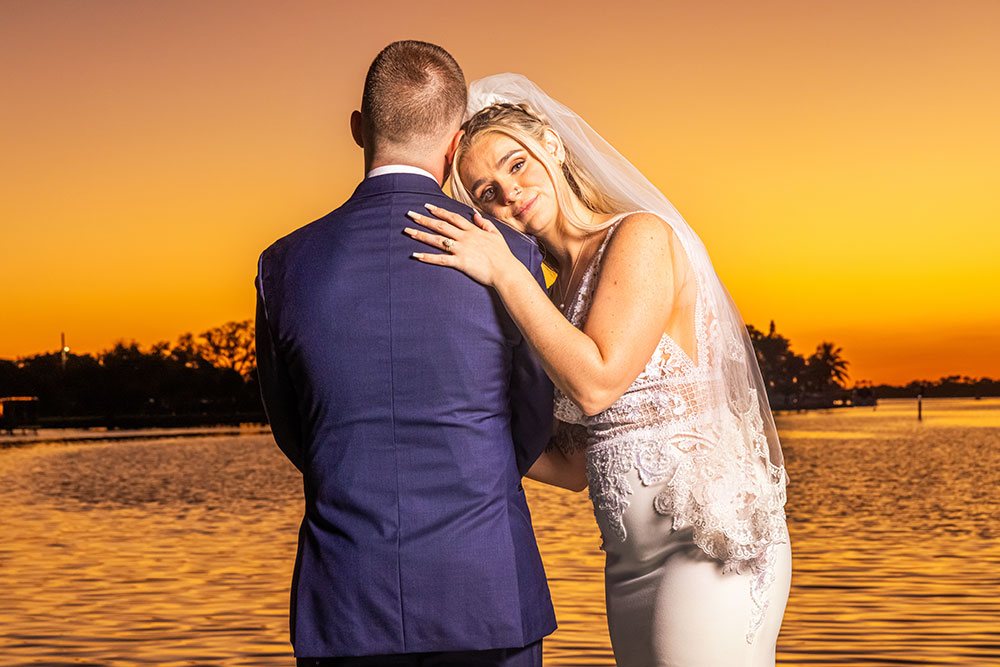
(18, 412)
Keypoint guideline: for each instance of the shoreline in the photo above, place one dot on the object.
(57, 436)
(105, 434)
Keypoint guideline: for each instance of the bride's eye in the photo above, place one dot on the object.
(517, 166)
(486, 194)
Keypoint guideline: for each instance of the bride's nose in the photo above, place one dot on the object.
(511, 193)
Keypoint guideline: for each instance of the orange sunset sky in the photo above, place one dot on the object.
(841, 160)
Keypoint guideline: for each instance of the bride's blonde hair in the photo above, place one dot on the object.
(527, 127)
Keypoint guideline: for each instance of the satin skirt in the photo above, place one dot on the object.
(670, 605)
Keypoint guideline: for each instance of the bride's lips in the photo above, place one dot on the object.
(531, 202)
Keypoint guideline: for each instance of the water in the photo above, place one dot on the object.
(179, 552)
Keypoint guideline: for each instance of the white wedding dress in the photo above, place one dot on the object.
(698, 562)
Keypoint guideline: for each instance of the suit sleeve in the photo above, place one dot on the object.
(276, 389)
(531, 395)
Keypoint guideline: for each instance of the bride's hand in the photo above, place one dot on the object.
(475, 248)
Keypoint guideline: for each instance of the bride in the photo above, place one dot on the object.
(660, 405)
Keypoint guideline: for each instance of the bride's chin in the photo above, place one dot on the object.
(538, 223)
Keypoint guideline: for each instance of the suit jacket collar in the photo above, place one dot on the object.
(377, 185)
(421, 185)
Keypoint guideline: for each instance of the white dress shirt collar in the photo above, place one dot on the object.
(399, 169)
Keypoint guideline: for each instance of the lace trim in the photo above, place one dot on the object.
(569, 438)
(720, 494)
(760, 587)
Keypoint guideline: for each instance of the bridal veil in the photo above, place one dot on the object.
(735, 519)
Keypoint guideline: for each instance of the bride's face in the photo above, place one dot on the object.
(509, 183)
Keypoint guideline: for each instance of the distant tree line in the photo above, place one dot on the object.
(209, 378)
(952, 386)
(212, 378)
(821, 378)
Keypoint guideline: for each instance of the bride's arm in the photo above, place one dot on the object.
(564, 462)
(627, 318)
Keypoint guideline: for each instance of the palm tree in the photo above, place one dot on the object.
(827, 367)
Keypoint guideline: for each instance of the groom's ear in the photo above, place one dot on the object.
(453, 146)
(357, 128)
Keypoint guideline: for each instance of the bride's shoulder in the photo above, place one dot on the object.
(644, 221)
(643, 233)
(637, 261)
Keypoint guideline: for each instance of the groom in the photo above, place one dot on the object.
(410, 403)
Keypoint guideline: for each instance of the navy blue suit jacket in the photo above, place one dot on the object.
(412, 405)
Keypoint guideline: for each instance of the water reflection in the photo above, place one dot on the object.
(895, 536)
(158, 553)
(179, 552)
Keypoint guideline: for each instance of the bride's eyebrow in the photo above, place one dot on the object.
(506, 157)
(475, 186)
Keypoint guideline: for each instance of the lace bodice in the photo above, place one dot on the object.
(672, 426)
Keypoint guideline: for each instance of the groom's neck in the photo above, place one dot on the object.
(434, 165)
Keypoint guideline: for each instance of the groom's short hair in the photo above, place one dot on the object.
(414, 91)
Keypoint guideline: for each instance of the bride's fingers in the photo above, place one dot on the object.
(442, 259)
(440, 226)
(442, 242)
(482, 222)
(453, 218)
